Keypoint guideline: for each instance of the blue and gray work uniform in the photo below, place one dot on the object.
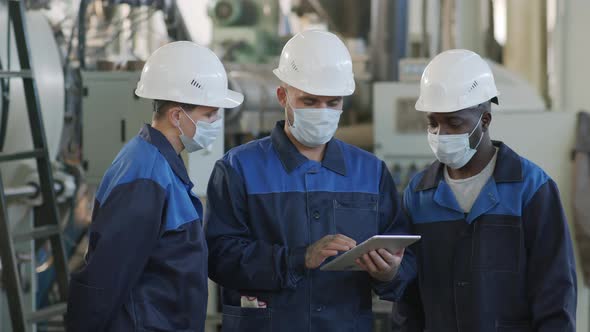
(267, 204)
(146, 267)
(507, 265)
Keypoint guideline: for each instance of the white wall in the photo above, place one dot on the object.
(572, 49)
(571, 89)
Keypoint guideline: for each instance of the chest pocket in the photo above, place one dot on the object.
(356, 219)
(496, 247)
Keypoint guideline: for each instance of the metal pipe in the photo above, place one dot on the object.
(28, 191)
(387, 38)
(16, 74)
(425, 47)
(24, 191)
(448, 34)
(4, 106)
(544, 81)
(5, 89)
(82, 33)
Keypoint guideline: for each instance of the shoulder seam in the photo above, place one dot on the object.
(130, 182)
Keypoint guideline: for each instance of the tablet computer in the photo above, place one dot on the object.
(392, 243)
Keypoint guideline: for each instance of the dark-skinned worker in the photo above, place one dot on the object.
(495, 253)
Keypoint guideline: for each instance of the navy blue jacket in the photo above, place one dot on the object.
(508, 265)
(266, 204)
(146, 267)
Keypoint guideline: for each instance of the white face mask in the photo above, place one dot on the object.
(205, 134)
(453, 150)
(313, 127)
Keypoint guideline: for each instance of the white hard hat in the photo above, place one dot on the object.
(188, 73)
(455, 80)
(317, 62)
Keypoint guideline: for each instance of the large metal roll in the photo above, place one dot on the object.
(47, 68)
(261, 109)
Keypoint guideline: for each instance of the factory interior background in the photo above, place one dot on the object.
(86, 57)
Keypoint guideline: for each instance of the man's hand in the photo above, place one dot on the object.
(381, 264)
(327, 246)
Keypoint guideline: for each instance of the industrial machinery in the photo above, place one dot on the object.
(21, 179)
(245, 31)
(245, 34)
(261, 109)
(117, 35)
(109, 102)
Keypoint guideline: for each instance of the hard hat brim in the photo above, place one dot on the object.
(420, 107)
(231, 100)
(326, 92)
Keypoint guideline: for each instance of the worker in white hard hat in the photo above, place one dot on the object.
(279, 207)
(146, 266)
(495, 253)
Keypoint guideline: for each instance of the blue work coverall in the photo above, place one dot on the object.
(266, 204)
(507, 265)
(146, 267)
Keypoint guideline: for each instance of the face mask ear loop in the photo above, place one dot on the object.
(480, 139)
(178, 125)
(480, 136)
(476, 125)
(292, 109)
(185, 113)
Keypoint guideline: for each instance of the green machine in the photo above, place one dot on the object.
(245, 31)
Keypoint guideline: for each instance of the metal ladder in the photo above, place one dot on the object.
(46, 227)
